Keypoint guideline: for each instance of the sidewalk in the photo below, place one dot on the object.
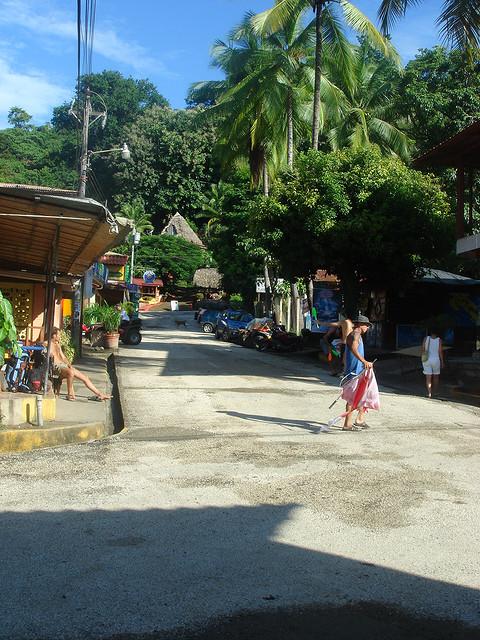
(79, 421)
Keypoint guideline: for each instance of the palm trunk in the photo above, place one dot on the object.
(266, 182)
(318, 72)
(290, 130)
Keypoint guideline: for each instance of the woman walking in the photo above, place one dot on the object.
(432, 359)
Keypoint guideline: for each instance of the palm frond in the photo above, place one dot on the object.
(359, 22)
(459, 23)
(390, 11)
(281, 13)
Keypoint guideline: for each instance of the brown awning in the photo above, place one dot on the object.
(461, 150)
(29, 220)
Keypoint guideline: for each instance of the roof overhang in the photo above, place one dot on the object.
(461, 150)
(29, 220)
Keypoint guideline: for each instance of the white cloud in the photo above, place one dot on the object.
(53, 22)
(31, 90)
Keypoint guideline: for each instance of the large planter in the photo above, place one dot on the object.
(111, 340)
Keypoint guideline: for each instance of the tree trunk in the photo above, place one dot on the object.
(290, 129)
(294, 299)
(266, 183)
(318, 72)
(351, 294)
(268, 287)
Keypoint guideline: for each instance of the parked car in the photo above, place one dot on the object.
(209, 320)
(230, 323)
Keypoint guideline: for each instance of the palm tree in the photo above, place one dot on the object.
(459, 20)
(328, 24)
(367, 109)
(265, 99)
(135, 211)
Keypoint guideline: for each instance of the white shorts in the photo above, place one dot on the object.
(432, 367)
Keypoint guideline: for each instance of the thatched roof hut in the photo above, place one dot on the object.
(178, 226)
(208, 278)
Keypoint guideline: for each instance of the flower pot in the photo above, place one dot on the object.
(111, 340)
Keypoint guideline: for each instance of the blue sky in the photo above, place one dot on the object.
(166, 41)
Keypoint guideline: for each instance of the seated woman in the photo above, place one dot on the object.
(65, 370)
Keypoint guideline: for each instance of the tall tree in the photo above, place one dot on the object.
(19, 118)
(363, 217)
(125, 99)
(459, 20)
(370, 108)
(135, 211)
(438, 95)
(330, 18)
(171, 163)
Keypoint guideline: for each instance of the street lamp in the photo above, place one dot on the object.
(124, 150)
(135, 243)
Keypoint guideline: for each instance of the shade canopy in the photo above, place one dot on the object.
(31, 218)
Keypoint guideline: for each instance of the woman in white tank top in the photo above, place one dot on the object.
(433, 348)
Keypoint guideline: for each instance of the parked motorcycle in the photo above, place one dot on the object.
(130, 331)
(263, 334)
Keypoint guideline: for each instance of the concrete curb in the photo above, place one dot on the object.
(116, 413)
(20, 440)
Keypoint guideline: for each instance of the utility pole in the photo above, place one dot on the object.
(87, 111)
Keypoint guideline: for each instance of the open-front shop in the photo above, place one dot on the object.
(50, 238)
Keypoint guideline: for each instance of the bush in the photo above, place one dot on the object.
(236, 301)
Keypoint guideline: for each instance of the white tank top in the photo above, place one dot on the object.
(433, 347)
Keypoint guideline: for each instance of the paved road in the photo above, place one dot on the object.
(224, 495)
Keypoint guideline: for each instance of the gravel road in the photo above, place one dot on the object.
(225, 511)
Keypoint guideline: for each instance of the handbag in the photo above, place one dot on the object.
(425, 352)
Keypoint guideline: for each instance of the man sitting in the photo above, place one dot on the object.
(64, 370)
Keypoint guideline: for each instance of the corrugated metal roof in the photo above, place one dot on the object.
(29, 218)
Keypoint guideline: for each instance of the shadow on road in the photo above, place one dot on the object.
(127, 573)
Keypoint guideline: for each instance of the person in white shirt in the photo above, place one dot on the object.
(432, 360)
(124, 317)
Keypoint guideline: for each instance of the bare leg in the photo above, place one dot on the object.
(89, 384)
(360, 416)
(428, 382)
(435, 381)
(348, 424)
(67, 374)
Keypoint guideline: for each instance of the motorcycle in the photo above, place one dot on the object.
(130, 331)
(263, 334)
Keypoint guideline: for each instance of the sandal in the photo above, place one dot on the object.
(354, 428)
(70, 398)
(361, 425)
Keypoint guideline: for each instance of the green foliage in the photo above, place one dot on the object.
(171, 257)
(171, 162)
(110, 318)
(19, 118)
(66, 344)
(438, 94)
(135, 211)
(236, 301)
(92, 314)
(366, 218)
(237, 255)
(8, 331)
(459, 21)
(38, 155)
(291, 225)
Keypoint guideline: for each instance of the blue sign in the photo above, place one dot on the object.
(149, 277)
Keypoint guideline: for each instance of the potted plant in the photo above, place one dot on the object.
(111, 321)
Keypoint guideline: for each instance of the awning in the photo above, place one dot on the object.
(460, 150)
(437, 276)
(30, 218)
